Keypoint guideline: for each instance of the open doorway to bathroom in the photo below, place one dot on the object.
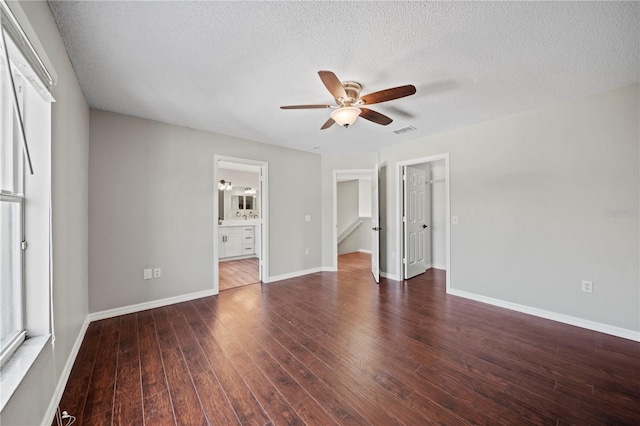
(240, 227)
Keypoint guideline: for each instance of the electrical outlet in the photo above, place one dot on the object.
(147, 274)
(157, 273)
(587, 286)
(306, 251)
(307, 218)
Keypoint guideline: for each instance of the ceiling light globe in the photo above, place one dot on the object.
(345, 116)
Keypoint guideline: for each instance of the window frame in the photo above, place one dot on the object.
(16, 192)
(20, 334)
(15, 195)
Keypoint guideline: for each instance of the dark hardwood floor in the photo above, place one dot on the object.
(335, 348)
(238, 273)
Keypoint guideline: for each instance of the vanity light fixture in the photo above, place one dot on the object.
(222, 185)
(249, 191)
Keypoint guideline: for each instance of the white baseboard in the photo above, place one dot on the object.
(64, 376)
(554, 316)
(329, 269)
(109, 313)
(295, 274)
(443, 267)
(364, 251)
(393, 277)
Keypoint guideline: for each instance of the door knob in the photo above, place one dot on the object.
(424, 226)
(377, 229)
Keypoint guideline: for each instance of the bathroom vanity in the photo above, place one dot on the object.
(237, 238)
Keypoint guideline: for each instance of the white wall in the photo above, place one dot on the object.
(69, 151)
(364, 197)
(239, 178)
(532, 192)
(151, 205)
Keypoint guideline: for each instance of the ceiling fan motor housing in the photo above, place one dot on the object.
(353, 90)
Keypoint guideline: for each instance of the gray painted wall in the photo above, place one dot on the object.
(348, 204)
(151, 206)
(533, 192)
(69, 151)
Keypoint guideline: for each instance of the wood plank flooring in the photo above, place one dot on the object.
(237, 273)
(335, 348)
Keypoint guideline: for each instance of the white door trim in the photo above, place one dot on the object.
(335, 208)
(399, 207)
(264, 221)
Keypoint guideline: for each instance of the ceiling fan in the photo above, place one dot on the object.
(351, 104)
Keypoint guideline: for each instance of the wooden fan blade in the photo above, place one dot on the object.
(327, 124)
(333, 84)
(389, 94)
(376, 117)
(304, 106)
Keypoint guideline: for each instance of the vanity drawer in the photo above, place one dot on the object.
(248, 239)
(248, 248)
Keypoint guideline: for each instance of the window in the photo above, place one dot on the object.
(11, 213)
(25, 116)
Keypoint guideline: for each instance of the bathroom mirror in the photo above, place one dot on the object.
(249, 202)
(243, 204)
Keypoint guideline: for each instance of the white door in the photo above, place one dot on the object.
(415, 222)
(375, 230)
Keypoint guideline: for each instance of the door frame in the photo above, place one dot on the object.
(369, 172)
(264, 217)
(400, 207)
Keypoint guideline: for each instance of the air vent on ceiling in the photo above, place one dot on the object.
(404, 130)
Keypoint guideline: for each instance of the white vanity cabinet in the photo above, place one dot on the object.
(230, 242)
(236, 241)
(248, 240)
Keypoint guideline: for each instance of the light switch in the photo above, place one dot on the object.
(307, 218)
(454, 220)
(147, 274)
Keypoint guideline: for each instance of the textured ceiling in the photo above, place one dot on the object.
(226, 67)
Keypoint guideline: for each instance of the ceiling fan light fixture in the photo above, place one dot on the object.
(345, 116)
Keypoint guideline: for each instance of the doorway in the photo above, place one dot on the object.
(424, 221)
(240, 236)
(352, 219)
